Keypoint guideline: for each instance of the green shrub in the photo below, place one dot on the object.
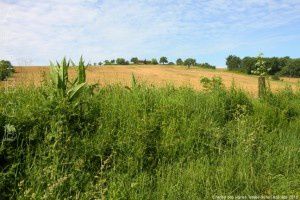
(275, 77)
(206, 65)
(6, 69)
(154, 61)
(212, 84)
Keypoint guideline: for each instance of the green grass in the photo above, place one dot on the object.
(148, 143)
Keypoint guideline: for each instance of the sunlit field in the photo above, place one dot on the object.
(152, 75)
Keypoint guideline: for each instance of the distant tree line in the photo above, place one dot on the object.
(6, 69)
(189, 62)
(282, 66)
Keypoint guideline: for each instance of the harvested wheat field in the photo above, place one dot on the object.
(157, 75)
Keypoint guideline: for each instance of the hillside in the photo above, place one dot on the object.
(151, 74)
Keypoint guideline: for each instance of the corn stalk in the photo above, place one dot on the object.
(60, 79)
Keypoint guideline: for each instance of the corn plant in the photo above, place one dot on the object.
(60, 79)
(133, 81)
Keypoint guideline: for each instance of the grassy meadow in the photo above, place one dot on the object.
(147, 142)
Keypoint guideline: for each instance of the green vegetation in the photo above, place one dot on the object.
(179, 61)
(134, 60)
(190, 62)
(205, 65)
(121, 61)
(262, 71)
(233, 62)
(6, 69)
(292, 68)
(154, 61)
(144, 142)
(284, 66)
(163, 60)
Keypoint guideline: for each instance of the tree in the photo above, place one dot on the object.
(107, 62)
(179, 61)
(292, 69)
(233, 62)
(100, 63)
(190, 62)
(112, 61)
(163, 60)
(154, 61)
(248, 64)
(171, 63)
(134, 60)
(121, 61)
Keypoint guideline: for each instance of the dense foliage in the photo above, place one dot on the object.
(154, 61)
(6, 69)
(134, 60)
(121, 61)
(292, 68)
(179, 61)
(190, 62)
(147, 142)
(277, 65)
(205, 65)
(233, 62)
(163, 60)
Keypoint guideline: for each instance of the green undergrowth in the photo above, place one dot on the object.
(148, 143)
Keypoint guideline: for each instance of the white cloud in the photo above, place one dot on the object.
(47, 30)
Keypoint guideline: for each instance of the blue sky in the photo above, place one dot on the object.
(32, 32)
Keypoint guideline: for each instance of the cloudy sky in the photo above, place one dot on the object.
(36, 31)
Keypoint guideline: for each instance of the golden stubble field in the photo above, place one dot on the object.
(156, 75)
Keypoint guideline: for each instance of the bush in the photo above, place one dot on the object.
(154, 61)
(206, 65)
(6, 69)
(214, 83)
(275, 77)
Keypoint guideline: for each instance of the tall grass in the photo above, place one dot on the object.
(148, 143)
